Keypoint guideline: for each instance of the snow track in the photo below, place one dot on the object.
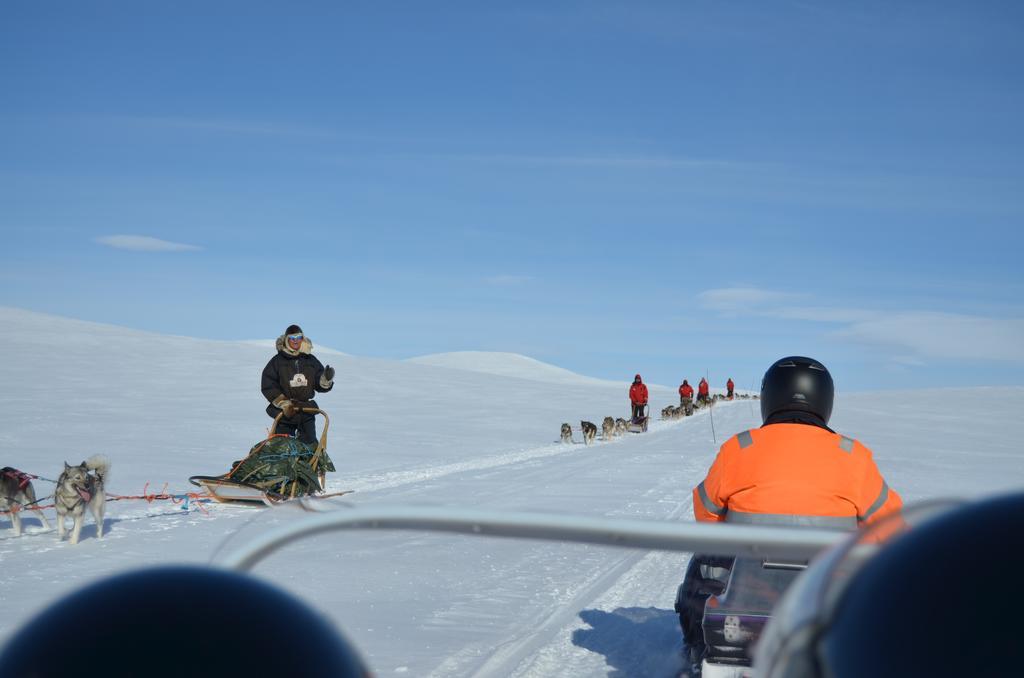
(543, 627)
(541, 650)
(393, 479)
(552, 634)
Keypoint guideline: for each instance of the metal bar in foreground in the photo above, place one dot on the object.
(718, 538)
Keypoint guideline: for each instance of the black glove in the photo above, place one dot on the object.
(328, 373)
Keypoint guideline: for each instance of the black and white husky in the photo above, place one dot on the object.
(79, 487)
(589, 432)
(16, 493)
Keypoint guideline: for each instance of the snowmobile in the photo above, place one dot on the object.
(724, 605)
(278, 468)
(638, 424)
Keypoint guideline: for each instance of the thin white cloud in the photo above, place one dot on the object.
(741, 299)
(226, 126)
(619, 161)
(822, 314)
(614, 161)
(943, 335)
(144, 243)
(911, 336)
(508, 280)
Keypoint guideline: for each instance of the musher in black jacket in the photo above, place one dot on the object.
(294, 374)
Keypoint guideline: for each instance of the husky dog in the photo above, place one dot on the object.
(667, 412)
(621, 426)
(16, 492)
(566, 433)
(608, 428)
(589, 432)
(79, 487)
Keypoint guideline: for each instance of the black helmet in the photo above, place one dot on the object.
(248, 627)
(797, 384)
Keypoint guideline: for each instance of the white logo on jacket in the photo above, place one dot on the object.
(298, 380)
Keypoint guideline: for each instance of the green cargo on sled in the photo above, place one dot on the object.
(278, 468)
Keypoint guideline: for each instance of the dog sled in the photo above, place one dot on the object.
(687, 405)
(278, 468)
(638, 424)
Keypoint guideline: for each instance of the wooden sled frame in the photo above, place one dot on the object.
(225, 490)
(641, 426)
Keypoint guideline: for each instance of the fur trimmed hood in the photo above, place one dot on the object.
(306, 347)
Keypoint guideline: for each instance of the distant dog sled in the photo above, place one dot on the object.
(638, 424)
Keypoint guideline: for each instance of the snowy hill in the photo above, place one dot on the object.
(163, 408)
(503, 364)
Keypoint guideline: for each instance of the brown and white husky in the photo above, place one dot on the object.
(80, 487)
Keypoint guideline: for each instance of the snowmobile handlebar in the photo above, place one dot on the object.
(755, 541)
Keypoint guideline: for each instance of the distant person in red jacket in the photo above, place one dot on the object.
(638, 397)
(728, 388)
(702, 390)
(685, 392)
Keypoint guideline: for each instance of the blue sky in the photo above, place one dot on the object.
(613, 187)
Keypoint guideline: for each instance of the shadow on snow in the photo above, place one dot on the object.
(634, 640)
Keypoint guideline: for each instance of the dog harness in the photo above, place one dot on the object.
(14, 474)
(82, 494)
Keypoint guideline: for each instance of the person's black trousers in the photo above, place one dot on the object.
(303, 424)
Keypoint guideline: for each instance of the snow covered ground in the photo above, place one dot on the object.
(472, 429)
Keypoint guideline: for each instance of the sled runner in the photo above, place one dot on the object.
(639, 424)
(276, 469)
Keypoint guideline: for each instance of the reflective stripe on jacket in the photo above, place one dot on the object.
(794, 474)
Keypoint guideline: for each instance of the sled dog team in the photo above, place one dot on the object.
(613, 428)
(78, 488)
(610, 428)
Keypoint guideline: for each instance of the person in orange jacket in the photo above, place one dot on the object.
(685, 391)
(794, 470)
(729, 386)
(638, 397)
(702, 390)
